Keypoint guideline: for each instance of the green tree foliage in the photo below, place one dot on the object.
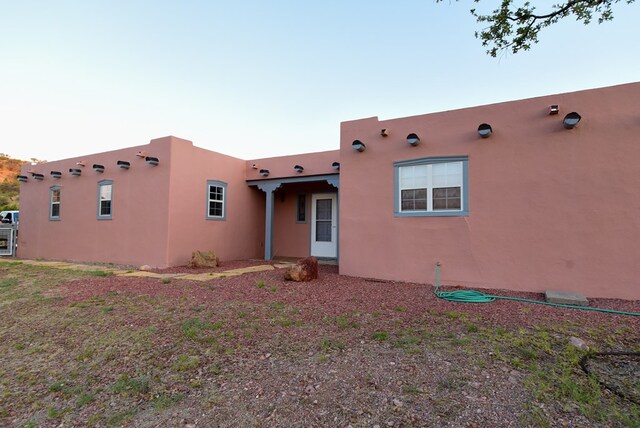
(9, 185)
(514, 26)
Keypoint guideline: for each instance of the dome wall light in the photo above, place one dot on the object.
(98, 168)
(336, 166)
(81, 163)
(264, 172)
(37, 176)
(141, 154)
(358, 145)
(413, 139)
(75, 172)
(554, 109)
(152, 161)
(384, 132)
(298, 168)
(123, 164)
(571, 120)
(22, 178)
(56, 174)
(485, 130)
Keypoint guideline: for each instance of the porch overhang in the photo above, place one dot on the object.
(269, 186)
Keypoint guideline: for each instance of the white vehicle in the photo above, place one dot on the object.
(11, 217)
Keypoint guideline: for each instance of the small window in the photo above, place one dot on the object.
(301, 211)
(432, 187)
(54, 203)
(105, 199)
(216, 200)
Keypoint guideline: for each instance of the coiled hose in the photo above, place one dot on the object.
(473, 296)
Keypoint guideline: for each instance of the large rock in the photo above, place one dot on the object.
(304, 270)
(201, 259)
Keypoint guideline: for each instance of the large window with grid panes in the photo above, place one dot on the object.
(431, 187)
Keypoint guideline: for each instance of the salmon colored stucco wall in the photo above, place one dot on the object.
(549, 208)
(318, 163)
(137, 232)
(240, 235)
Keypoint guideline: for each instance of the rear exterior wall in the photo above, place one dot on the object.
(135, 235)
(549, 208)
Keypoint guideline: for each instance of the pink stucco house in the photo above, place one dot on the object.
(535, 194)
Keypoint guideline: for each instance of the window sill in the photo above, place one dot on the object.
(432, 214)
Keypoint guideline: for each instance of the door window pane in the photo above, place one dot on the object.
(323, 220)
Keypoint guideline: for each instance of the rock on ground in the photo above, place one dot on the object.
(201, 259)
(304, 270)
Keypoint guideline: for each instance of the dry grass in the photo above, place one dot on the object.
(86, 350)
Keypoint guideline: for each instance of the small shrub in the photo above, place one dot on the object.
(327, 344)
(380, 336)
(56, 387)
(53, 413)
(260, 284)
(84, 399)
(166, 280)
(186, 362)
(193, 327)
(344, 322)
(164, 401)
(126, 385)
(102, 273)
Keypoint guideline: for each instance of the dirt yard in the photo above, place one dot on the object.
(93, 349)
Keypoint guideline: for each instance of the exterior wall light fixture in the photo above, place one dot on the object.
(75, 171)
(384, 132)
(485, 130)
(56, 174)
(23, 178)
(298, 168)
(152, 161)
(98, 168)
(554, 109)
(571, 120)
(358, 145)
(413, 139)
(264, 172)
(123, 164)
(336, 166)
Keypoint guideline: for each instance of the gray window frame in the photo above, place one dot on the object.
(306, 208)
(464, 211)
(51, 203)
(223, 185)
(99, 214)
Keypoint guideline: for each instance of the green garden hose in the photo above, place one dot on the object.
(473, 296)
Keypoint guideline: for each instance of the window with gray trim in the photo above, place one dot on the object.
(216, 200)
(432, 187)
(105, 199)
(301, 209)
(54, 202)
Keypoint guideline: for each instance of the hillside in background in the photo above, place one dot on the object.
(9, 185)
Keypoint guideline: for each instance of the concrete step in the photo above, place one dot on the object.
(566, 298)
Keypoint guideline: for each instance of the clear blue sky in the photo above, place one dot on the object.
(256, 78)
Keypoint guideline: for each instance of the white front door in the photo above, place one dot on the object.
(324, 225)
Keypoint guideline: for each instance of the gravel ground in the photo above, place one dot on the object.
(338, 351)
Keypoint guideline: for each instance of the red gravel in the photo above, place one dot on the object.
(333, 294)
